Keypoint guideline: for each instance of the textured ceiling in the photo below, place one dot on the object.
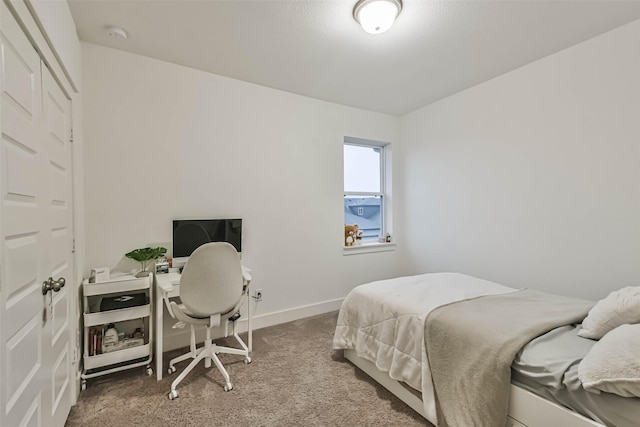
(315, 48)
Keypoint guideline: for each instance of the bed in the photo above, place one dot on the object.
(382, 328)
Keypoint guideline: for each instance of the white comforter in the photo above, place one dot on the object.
(383, 322)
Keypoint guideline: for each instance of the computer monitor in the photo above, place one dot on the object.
(189, 234)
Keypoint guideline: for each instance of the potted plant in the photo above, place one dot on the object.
(145, 256)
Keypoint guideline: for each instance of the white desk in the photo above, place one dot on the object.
(168, 286)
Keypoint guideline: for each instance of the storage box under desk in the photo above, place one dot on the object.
(118, 302)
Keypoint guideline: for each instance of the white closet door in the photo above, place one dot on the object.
(56, 114)
(35, 220)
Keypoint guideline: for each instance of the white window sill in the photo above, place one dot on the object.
(366, 248)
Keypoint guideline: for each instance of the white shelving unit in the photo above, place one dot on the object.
(96, 362)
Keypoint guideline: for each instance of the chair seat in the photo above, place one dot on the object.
(192, 317)
(183, 314)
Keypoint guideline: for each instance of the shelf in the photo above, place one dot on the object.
(125, 283)
(120, 356)
(113, 316)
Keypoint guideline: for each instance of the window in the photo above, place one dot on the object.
(364, 187)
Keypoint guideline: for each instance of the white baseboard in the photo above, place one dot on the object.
(174, 339)
(277, 317)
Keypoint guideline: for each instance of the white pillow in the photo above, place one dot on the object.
(616, 309)
(613, 363)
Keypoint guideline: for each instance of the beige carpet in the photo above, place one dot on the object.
(296, 379)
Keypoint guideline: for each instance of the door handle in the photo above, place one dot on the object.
(54, 285)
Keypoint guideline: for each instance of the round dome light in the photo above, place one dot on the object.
(376, 16)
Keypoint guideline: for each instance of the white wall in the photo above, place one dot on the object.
(533, 178)
(164, 141)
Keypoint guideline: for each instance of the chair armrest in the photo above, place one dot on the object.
(246, 275)
(246, 278)
(167, 303)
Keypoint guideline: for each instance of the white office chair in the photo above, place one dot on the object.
(212, 286)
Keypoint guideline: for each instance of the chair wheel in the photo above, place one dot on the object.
(149, 371)
(84, 385)
(247, 360)
(228, 387)
(171, 370)
(173, 394)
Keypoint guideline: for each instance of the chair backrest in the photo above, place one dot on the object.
(211, 281)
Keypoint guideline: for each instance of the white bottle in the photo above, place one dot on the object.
(110, 336)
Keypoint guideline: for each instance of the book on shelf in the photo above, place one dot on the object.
(95, 341)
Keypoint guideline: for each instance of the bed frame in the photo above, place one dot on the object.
(525, 408)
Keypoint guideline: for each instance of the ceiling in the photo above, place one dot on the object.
(315, 48)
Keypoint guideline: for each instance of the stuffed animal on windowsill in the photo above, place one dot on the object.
(350, 233)
(359, 234)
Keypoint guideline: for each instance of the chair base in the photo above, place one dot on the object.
(209, 352)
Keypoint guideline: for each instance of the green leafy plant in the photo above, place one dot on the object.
(145, 256)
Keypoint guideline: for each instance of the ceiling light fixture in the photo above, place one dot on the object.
(116, 32)
(376, 16)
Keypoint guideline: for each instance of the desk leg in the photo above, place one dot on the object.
(159, 334)
(249, 330)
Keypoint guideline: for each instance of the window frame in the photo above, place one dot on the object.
(372, 245)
